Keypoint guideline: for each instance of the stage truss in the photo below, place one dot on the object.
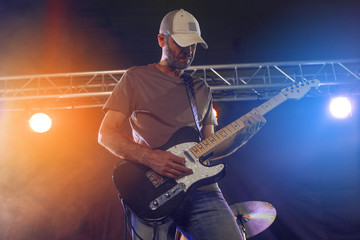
(231, 82)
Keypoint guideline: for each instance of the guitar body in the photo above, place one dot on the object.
(153, 197)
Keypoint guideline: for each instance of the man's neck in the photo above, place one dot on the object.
(165, 68)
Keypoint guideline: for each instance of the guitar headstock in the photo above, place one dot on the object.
(297, 91)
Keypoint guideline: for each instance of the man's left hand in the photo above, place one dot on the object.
(253, 123)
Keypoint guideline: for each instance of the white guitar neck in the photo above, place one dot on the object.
(295, 91)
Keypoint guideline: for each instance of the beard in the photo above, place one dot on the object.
(175, 62)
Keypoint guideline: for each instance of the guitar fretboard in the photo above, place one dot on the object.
(207, 145)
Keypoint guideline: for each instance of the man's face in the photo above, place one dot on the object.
(179, 58)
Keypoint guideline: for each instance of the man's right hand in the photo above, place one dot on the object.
(166, 163)
(162, 162)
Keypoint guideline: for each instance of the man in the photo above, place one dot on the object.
(154, 98)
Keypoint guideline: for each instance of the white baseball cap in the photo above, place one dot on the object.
(183, 28)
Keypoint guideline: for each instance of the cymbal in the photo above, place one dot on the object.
(253, 216)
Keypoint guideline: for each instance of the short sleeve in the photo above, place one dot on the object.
(122, 97)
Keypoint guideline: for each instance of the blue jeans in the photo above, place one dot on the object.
(205, 215)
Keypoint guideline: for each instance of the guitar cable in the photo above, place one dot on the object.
(127, 222)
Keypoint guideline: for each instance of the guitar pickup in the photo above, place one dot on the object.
(188, 156)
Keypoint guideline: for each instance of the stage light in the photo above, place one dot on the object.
(340, 107)
(40, 122)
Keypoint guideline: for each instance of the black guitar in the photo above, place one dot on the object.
(153, 197)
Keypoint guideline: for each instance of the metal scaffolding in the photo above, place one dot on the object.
(231, 82)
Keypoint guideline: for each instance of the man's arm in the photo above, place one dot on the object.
(253, 123)
(112, 138)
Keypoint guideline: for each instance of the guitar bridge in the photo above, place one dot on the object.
(155, 178)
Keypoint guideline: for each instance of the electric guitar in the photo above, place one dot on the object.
(153, 197)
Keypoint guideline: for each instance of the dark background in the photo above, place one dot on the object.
(58, 36)
(58, 185)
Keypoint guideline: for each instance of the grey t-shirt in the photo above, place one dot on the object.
(158, 105)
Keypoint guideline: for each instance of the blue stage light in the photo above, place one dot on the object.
(340, 107)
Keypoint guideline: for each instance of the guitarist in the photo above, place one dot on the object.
(154, 99)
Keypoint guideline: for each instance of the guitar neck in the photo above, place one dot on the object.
(207, 145)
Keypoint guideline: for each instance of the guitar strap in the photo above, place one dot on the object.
(188, 80)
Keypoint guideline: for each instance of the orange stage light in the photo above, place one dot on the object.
(40, 122)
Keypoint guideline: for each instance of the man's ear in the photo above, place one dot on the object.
(161, 40)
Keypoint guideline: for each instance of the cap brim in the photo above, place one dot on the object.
(185, 40)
